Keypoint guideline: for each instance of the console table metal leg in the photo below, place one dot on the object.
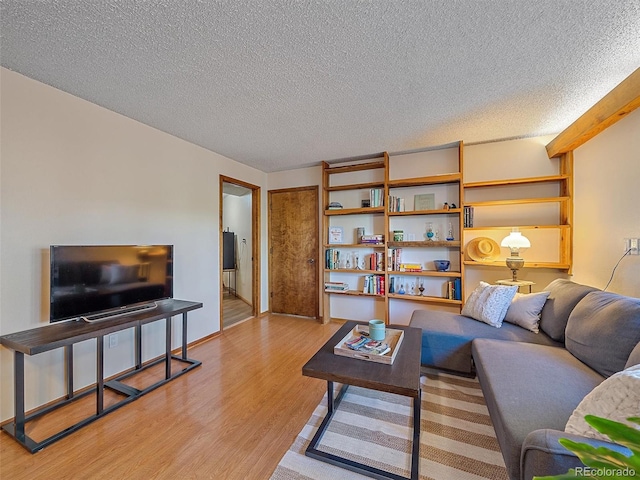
(138, 346)
(68, 360)
(168, 349)
(18, 372)
(184, 336)
(99, 375)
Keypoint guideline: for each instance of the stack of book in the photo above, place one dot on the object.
(372, 239)
(336, 287)
(468, 217)
(410, 267)
(332, 259)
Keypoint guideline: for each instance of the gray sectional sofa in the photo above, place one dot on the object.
(532, 382)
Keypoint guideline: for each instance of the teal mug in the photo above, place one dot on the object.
(376, 330)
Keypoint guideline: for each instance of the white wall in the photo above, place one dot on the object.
(75, 173)
(606, 207)
(236, 217)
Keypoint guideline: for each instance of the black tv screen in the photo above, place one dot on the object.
(88, 280)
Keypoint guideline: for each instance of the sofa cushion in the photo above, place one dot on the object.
(529, 387)
(634, 358)
(603, 329)
(617, 398)
(446, 338)
(525, 309)
(564, 295)
(489, 303)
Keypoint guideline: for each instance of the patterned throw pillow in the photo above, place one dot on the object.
(617, 398)
(489, 303)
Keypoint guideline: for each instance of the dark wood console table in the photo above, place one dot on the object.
(66, 334)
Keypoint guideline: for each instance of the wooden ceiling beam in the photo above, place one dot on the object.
(615, 105)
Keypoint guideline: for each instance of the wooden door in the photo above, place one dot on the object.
(293, 251)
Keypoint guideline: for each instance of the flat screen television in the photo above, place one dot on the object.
(91, 282)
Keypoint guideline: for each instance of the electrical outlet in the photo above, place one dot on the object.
(632, 245)
(113, 340)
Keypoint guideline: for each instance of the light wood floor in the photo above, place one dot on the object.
(234, 310)
(231, 418)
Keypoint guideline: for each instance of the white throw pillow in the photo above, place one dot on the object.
(617, 398)
(489, 303)
(525, 309)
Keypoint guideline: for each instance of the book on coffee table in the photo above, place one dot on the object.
(384, 351)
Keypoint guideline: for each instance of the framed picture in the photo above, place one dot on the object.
(424, 201)
(336, 235)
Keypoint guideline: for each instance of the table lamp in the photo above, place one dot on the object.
(514, 242)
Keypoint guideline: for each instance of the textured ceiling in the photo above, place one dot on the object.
(279, 84)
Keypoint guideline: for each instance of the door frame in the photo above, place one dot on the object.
(255, 242)
(315, 188)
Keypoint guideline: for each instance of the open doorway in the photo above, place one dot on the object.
(239, 251)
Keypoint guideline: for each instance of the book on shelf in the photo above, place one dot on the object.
(376, 197)
(374, 261)
(454, 289)
(373, 285)
(394, 259)
(332, 259)
(396, 204)
(336, 287)
(372, 239)
(468, 217)
(336, 235)
(410, 267)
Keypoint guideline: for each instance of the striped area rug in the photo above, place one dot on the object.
(457, 441)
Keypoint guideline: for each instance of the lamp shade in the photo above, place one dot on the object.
(515, 240)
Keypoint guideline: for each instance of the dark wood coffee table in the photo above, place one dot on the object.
(401, 378)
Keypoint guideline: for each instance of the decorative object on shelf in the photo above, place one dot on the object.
(334, 206)
(365, 203)
(445, 206)
(391, 285)
(359, 234)
(421, 288)
(482, 249)
(514, 242)
(442, 265)
(336, 235)
(398, 235)
(429, 233)
(424, 201)
(450, 233)
(401, 291)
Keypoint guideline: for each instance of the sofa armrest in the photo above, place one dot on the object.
(542, 454)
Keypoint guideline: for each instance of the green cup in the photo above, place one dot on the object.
(376, 330)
